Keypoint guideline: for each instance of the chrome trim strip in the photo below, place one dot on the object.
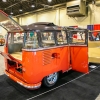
(46, 48)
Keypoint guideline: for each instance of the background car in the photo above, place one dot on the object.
(2, 40)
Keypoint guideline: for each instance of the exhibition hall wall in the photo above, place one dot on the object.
(59, 17)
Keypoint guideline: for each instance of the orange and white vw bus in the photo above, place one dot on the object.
(37, 53)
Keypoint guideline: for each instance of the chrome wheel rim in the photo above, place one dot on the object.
(52, 78)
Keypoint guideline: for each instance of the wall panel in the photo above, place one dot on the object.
(49, 16)
(26, 20)
(59, 17)
(66, 20)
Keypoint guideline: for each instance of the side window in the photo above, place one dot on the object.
(78, 37)
(31, 41)
(15, 38)
(61, 38)
(48, 39)
(18, 37)
(15, 42)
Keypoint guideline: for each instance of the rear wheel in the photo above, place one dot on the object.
(51, 79)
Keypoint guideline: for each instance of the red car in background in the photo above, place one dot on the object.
(2, 40)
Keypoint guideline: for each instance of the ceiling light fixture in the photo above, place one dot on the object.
(49, 0)
(32, 5)
(4, 0)
(21, 9)
(11, 11)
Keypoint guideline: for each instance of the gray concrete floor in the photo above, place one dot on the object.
(2, 65)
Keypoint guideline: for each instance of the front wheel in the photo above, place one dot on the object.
(51, 79)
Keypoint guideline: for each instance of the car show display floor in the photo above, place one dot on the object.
(71, 86)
